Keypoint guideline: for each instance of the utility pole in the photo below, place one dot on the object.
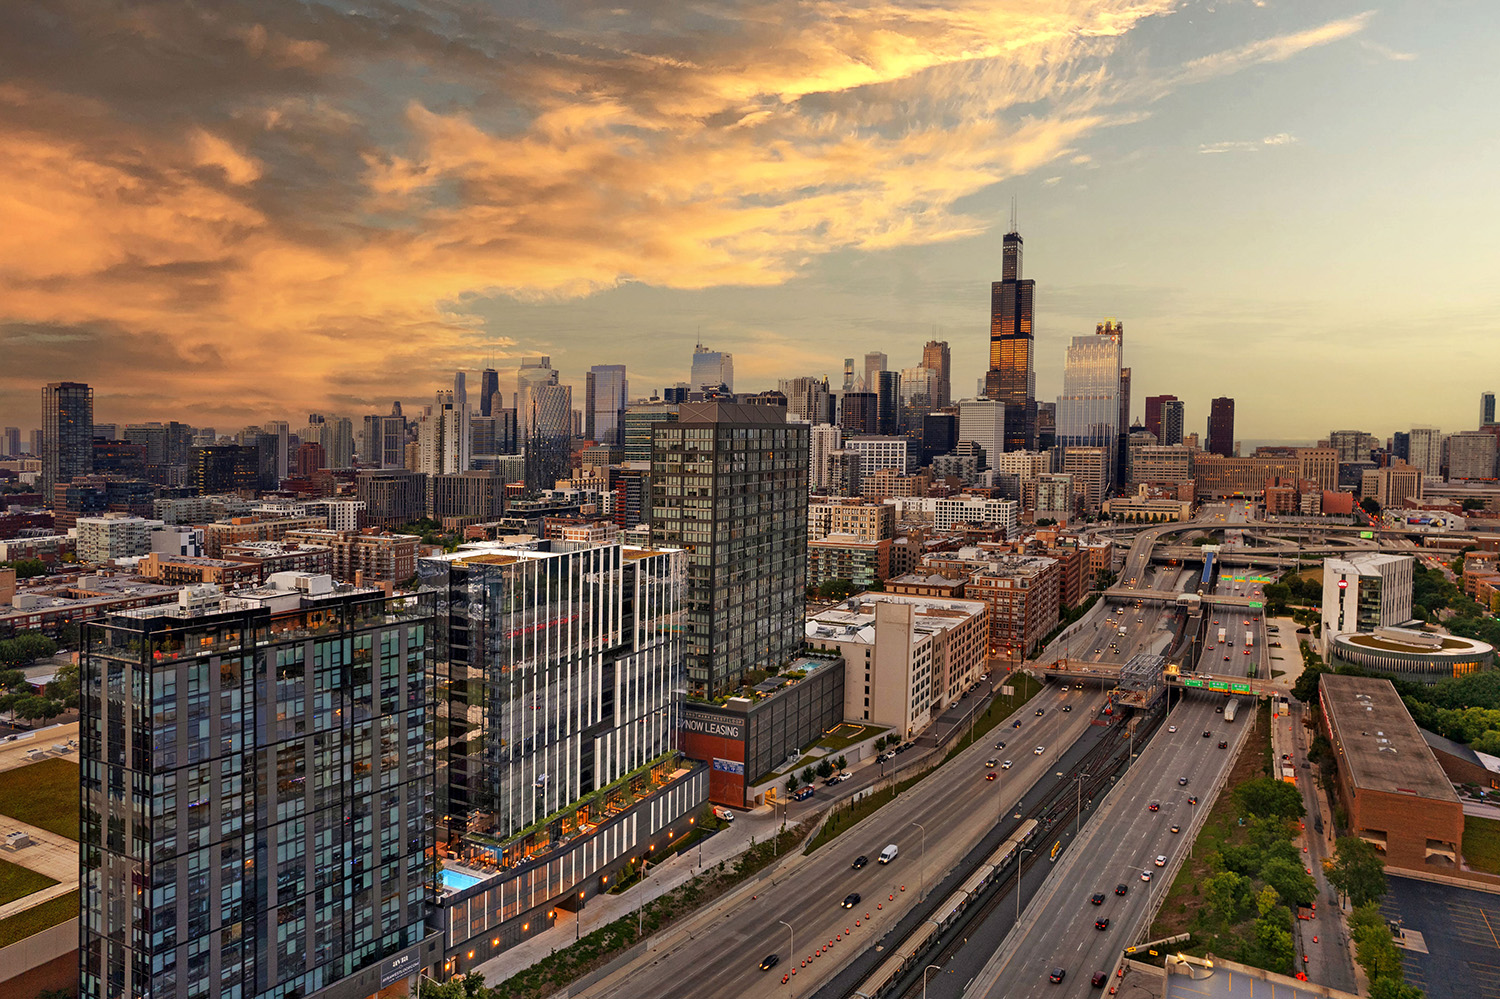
(1078, 817)
(1024, 851)
(791, 954)
(924, 859)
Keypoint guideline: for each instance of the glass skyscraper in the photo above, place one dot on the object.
(67, 434)
(1012, 340)
(606, 392)
(1088, 411)
(257, 790)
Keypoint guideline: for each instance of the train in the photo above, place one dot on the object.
(888, 973)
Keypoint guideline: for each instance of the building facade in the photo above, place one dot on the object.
(1364, 592)
(67, 433)
(1010, 379)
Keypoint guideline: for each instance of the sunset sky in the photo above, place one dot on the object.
(246, 210)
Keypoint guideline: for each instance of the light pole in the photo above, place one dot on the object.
(792, 941)
(1024, 851)
(925, 970)
(1078, 818)
(578, 922)
(924, 859)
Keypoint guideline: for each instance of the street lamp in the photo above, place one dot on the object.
(792, 942)
(925, 970)
(924, 859)
(578, 923)
(1024, 851)
(1078, 823)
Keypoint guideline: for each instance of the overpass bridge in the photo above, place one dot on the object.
(1109, 675)
(1119, 595)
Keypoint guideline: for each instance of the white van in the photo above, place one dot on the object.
(723, 814)
(888, 854)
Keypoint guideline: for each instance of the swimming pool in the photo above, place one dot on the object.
(457, 881)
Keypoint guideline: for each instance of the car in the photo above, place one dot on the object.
(1182, 782)
(1121, 888)
(1171, 728)
(829, 782)
(770, 961)
(1099, 980)
(1038, 751)
(990, 775)
(990, 763)
(984, 676)
(1000, 745)
(1067, 707)
(844, 775)
(1223, 744)
(1207, 734)
(1176, 829)
(1098, 652)
(1097, 898)
(1219, 710)
(1145, 875)
(1155, 806)
(1039, 712)
(1192, 799)
(1226, 659)
(851, 900)
(1017, 724)
(1161, 860)
(1247, 652)
(1005, 765)
(860, 861)
(1102, 923)
(1058, 974)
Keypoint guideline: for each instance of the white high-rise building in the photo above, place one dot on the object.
(825, 439)
(876, 453)
(444, 443)
(1425, 450)
(712, 368)
(1364, 592)
(982, 421)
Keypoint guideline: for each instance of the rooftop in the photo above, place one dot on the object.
(854, 619)
(1383, 746)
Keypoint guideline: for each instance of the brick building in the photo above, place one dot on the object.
(371, 555)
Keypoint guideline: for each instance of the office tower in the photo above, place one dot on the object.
(1154, 414)
(444, 438)
(385, 441)
(848, 375)
(1088, 411)
(336, 435)
(1401, 445)
(639, 419)
(1487, 409)
(584, 692)
(261, 823)
(935, 357)
(12, 443)
(1113, 327)
(808, 399)
(605, 395)
(859, 412)
(939, 435)
(36, 444)
(1350, 445)
(534, 371)
(1089, 468)
(460, 389)
(1220, 436)
(489, 388)
(983, 422)
(67, 433)
(1426, 450)
(729, 483)
(823, 440)
(550, 446)
(1010, 379)
(1173, 416)
(1471, 455)
(1366, 591)
(282, 431)
(888, 401)
(875, 363)
(712, 369)
(224, 468)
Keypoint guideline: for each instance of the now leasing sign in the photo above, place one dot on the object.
(706, 723)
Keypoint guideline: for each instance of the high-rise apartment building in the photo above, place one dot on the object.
(392, 496)
(939, 435)
(808, 399)
(1173, 416)
(1154, 413)
(712, 369)
(935, 357)
(605, 395)
(1471, 455)
(823, 440)
(1487, 409)
(444, 438)
(639, 420)
(1088, 411)
(1401, 445)
(1426, 450)
(1221, 427)
(1089, 468)
(983, 422)
(384, 442)
(1011, 379)
(337, 437)
(67, 433)
(1350, 444)
(11, 445)
(729, 485)
(225, 468)
(257, 800)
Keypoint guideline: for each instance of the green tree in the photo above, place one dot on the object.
(1267, 798)
(1357, 870)
(470, 986)
(1291, 881)
(842, 763)
(37, 708)
(1228, 895)
(836, 589)
(1370, 505)
(792, 783)
(1266, 899)
(825, 768)
(808, 774)
(26, 568)
(1271, 946)
(1391, 988)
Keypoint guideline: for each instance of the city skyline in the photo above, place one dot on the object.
(174, 242)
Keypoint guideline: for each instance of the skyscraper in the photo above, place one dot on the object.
(1088, 411)
(935, 356)
(67, 433)
(1153, 414)
(1487, 409)
(444, 441)
(534, 371)
(729, 484)
(1010, 379)
(888, 401)
(257, 793)
(875, 363)
(606, 391)
(1425, 447)
(848, 374)
(551, 443)
(711, 369)
(808, 399)
(337, 437)
(460, 389)
(1173, 416)
(489, 388)
(12, 443)
(282, 431)
(384, 442)
(1221, 427)
(859, 413)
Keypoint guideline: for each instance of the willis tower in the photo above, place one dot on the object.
(1010, 379)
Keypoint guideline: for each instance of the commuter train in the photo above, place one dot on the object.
(889, 972)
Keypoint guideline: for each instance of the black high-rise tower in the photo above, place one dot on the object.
(1010, 378)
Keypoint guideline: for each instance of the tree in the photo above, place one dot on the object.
(26, 568)
(470, 986)
(1266, 900)
(1272, 946)
(1228, 894)
(792, 783)
(808, 774)
(1391, 988)
(1266, 798)
(1291, 881)
(825, 767)
(1370, 505)
(836, 589)
(37, 708)
(842, 763)
(1356, 870)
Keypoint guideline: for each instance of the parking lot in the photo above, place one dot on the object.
(1460, 928)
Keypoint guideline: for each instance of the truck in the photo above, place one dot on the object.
(1122, 630)
(1231, 708)
(1222, 634)
(1249, 639)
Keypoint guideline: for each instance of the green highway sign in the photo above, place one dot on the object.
(1192, 683)
(1367, 535)
(1257, 605)
(1240, 688)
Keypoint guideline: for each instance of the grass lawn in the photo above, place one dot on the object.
(1179, 913)
(846, 735)
(1482, 843)
(37, 918)
(16, 881)
(43, 794)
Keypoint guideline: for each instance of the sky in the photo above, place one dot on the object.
(249, 210)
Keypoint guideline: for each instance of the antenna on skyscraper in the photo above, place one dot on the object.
(1012, 213)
